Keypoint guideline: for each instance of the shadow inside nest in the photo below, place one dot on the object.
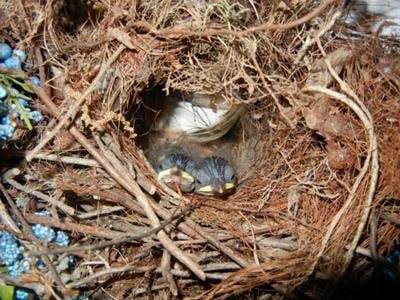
(374, 283)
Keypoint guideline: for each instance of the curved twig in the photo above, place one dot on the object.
(371, 160)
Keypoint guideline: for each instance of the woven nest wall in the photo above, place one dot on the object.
(320, 124)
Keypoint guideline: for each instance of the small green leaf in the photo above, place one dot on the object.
(26, 87)
(7, 292)
(23, 112)
(23, 85)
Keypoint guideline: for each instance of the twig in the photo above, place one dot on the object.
(251, 240)
(110, 151)
(166, 272)
(6, 218)
(190, 226)
(363, 251)
(67, 159)
(372, 152)
(131, 187)
(136, 270)
(28, 231)
(154, 288)
(123, 198)
(73, 227)
(372, 156)
(25, 226)
(311, 41)
(7, 177)
(74, 109)
(38, 288)
(116, 241)
(395, 219)
(134, 188)
(111, 271)
(379, 260)
(100, 211)
(132, 170)
(42, 72)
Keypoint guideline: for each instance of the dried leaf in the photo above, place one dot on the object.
(327, 120)
(320, 74)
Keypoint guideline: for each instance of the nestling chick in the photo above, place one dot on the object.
(197, 123)
(175, 168)
(215, 177)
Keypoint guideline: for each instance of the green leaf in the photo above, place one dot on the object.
(24, 113)
(23, 85)
(7, 292)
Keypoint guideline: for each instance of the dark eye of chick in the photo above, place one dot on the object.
(198, 181)
(233, 177)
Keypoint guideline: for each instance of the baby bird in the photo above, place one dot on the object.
(175, 168)
(215, 177)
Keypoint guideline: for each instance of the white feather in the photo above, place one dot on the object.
(186, 117)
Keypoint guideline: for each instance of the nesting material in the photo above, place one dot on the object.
(315, 120)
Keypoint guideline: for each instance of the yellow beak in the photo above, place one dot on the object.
(175, 171)
(217, 189)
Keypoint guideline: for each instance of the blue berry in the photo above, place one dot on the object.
(5, 120)
(5, 51)
(35, 80)
(21, 294)
(10, 251)
(43, 213)
(6, 128)
(20, 54)
(40, 264)
(25, 266)
(62, 239)
(2, 65)
(23, 102)
(43, 232)
(14, 92)
(13, 63)
(15, 110)
(3, 109)
(3, 92)
(11, 255)
(35, 116)
(71, 261)
(14, 270)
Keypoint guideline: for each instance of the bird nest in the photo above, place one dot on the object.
(320, 123)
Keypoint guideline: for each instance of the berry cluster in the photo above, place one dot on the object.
(12, 252)
(21, 294)
(50, 235)
(15, 94)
